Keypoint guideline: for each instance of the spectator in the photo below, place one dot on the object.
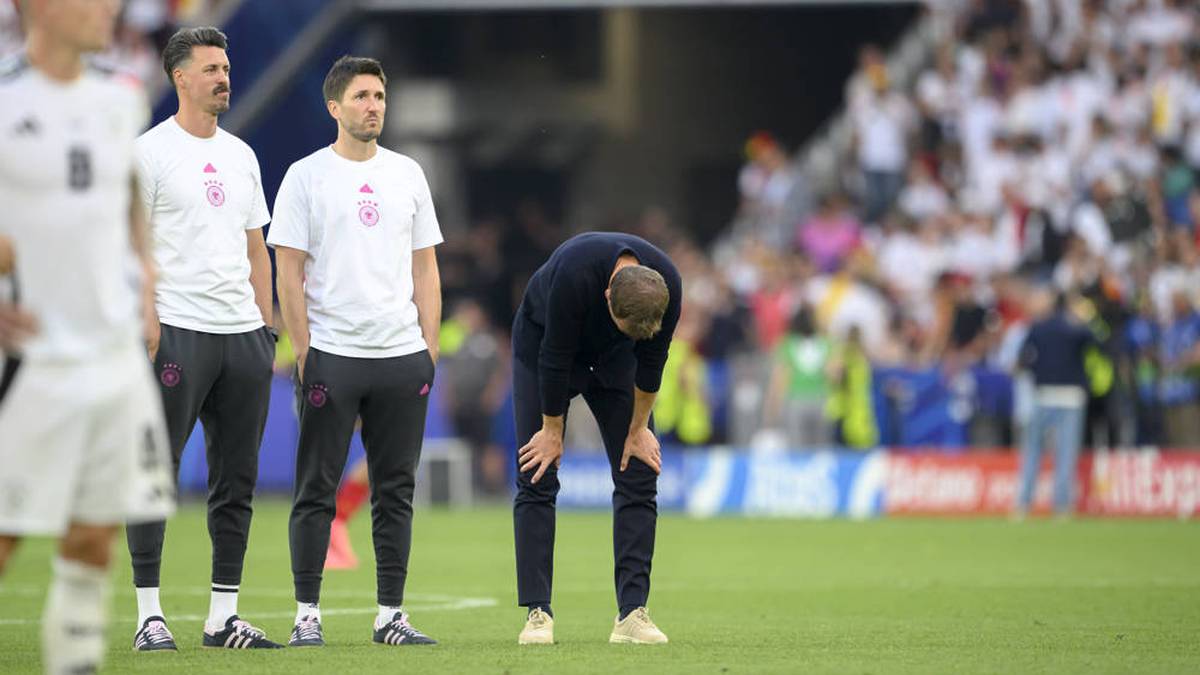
(798, 387)
(882, 121)
(476, 382)
(830, 235)
(1180, 390)
(922, 197)
(772, 194)
(850, 407)
(1053, 353)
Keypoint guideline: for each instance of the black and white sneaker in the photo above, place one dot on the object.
(153, 636)
(307, 633)
(239, 634)
(399, 631)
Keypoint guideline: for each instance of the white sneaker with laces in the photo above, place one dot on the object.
(539, 629)
(637, 629)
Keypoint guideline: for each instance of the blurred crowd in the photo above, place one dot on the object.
(1050, 144)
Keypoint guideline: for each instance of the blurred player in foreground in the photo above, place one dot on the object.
(83, 445)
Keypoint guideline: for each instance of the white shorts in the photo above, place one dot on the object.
(83, 443)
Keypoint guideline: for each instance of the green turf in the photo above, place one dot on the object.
(737, 596)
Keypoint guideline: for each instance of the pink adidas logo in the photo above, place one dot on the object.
(209, 168)
(366, 189)
(425, 389)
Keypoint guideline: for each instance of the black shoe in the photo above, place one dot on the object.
(399, 631)
(239, 634)
(153, 636)
(307, 633)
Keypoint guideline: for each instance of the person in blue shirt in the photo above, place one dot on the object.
(1053, 353)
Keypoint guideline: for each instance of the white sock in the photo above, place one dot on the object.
(307, 609)
(386, 614)
(75, 617)
(221, 606)
(147, 599)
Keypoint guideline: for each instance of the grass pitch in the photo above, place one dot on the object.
(735, 596)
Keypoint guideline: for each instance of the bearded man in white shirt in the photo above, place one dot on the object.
(202, 189)
(354, 236)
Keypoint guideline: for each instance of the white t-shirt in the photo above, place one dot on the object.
(201, 195)
(66, 164)
(882, 124)
(359, 222)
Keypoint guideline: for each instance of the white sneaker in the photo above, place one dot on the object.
(539, 629)
(637, 629)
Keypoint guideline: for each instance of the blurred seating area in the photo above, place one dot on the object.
(1047, 146)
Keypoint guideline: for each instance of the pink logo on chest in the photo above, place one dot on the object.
(215, 191)
(368, 213)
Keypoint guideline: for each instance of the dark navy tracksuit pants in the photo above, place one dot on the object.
(609, 394)
(391, 396)
(225, 381)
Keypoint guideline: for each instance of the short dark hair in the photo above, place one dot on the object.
(179, 47)
(345, 69)
(639, 296)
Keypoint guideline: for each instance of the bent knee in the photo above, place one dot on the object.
(89, 544)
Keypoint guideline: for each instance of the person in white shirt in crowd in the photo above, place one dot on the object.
(1100, 156)
(1170, 93)
(1159, 22)
(354, 235)
(772, 192)
(1129, 109)
(910, 257)
(940, 94)
(202, 189)
(83, 447)
(882, 123)
(923, 198)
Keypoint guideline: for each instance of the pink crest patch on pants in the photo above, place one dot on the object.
(171, 374)
(425, 389)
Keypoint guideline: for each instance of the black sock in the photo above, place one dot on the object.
(625, 611)
(545, 607)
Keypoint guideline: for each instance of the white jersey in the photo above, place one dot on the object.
(66, 170)
(201, 195)
(359, 223)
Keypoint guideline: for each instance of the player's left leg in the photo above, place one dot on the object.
(393, 426)
(635, 517)
(125, 475)
(76, 610)
(234, 414)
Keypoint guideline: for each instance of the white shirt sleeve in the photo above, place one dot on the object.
(425, 232)
(290, 227)
(147, 177)
(258, 215)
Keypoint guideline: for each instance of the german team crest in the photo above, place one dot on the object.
(171, 374)
(215, 191)
(368, 213)
(318, 395)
